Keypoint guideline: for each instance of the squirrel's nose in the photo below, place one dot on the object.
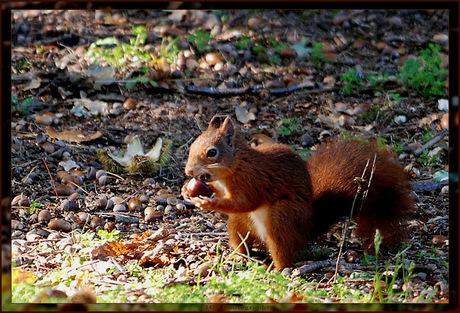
(189, 171)
(197, 172)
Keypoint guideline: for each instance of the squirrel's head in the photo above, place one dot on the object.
(213, 152)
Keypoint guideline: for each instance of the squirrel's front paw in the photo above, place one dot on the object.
(202, 202)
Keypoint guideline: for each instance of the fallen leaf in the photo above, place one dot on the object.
(112, 249)
(443, 105)
(102, 267)
(69, 165)
(101, 75)
(243, 115)
(94, 107)
(300, 48)
(20, 276)
(46, 118)
(331, 56)
(441, 175)
(177, 15)
(34, 83)
(72, 135)
(441, 39)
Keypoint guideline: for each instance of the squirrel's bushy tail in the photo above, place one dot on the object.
(334, 170)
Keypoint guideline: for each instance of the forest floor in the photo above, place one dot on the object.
(84, 83)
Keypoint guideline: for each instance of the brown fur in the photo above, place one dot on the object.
(334, 168)
(275, 177)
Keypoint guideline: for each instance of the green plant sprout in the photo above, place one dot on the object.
(428, 160)
(352, 80)
(200, 39)
(426, 77)
(289, 126)
(317, 56)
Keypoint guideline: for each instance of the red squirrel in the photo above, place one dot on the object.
(269, 192)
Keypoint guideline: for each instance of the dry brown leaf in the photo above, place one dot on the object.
(19, 276)
(72, 135)
(46, 118)
(113, 249)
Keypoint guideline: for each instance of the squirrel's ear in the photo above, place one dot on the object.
(215, 122)
(228, 131)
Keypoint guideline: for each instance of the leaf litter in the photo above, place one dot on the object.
(175, 101)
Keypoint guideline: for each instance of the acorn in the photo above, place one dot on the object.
(438, 240)
(129, 104)
(153, 216)
(212, 58)
(61, 175)
(134, 204)
(96, 221)
(197, 188)
(65, 190)
(101, 203)
(44, 216)
(60, 225)
(445, 121)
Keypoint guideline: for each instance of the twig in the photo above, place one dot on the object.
(79, 187)
(52, 180)
(313, 267)
(120, 268)
(249, 258)
(431, 185)
(106, 134)
(31, 171)
(431, 143)
(230, 92)
(165, 202)
(87, 264)
(116, 176)
(174, 282)
(109, 282)
(210, 234)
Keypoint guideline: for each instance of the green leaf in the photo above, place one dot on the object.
(106, 41)
(28, 102)
(143, 79)
(191, 38)
(130, 85)
(140, 29)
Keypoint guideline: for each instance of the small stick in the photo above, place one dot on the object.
(52, 180)
(250, 258)
(431, 143)
(311, 267)
(79, 187)
(106, 134)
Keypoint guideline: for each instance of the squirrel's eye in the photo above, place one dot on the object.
(212, 153)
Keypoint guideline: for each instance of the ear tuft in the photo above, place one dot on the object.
(228, 131)
(216, 121)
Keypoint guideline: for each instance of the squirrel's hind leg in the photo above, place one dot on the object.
(289, 231)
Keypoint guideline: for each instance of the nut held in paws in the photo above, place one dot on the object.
(197, 188)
